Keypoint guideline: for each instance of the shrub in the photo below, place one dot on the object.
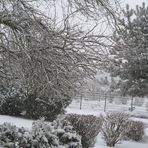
(58, 133)
(36, 108)
(13, 137)
(135, 130)
(11, 102)
(88, 126)
(17, 103)
(8, 133)
(43, 135)
(24, 139)
(113, 128)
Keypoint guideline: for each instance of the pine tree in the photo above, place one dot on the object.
(130, 51)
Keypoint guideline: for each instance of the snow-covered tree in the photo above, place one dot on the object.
(130, 51)
(43, 58)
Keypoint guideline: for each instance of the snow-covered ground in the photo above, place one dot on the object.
(125, 144)
(19, 122)
(74, 108)
(116, 105)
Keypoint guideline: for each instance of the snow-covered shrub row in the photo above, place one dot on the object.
(57, 134)
(88, 126)
(135, 130)
(114, 127)
(17, 103)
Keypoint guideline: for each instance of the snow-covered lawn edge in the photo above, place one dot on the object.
(19, 122)
(124, 144)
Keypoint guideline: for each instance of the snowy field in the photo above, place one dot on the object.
(96, 107)
(90, 109)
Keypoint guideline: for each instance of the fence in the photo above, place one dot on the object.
(108, 103)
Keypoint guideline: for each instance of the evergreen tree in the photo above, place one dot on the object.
(130, 51)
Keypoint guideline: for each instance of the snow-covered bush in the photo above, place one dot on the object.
(13, 137)
(57, 134)
(8, 134)
(37, 107)
(18, 103)
(88, 126)
(24, 139)
(114, 127)
(11, 101)
(135, 130)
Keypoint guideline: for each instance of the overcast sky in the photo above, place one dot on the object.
(133, 3)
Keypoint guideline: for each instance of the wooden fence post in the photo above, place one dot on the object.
(81, 101)
(105, 103)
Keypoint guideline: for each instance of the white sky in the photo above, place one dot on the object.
(133, 3)
(89, 25)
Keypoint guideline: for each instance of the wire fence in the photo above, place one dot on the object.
(106, 103)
